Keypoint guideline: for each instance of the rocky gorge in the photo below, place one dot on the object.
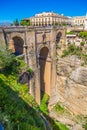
(72, 84)
(72, 90)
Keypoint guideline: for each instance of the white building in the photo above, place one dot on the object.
(48, 18)
(51, 18)
(85, 27)
(80, 20)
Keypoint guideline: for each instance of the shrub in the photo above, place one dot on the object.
(71, 50)
(82, 43)
(6, 58)
(30, 70)
(71, 32)
(60, 126)
(85, 126)
(30, 73)
(83, 34)
(59, 108)
(44, 104)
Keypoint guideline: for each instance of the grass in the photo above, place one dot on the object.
(85, 126)
(71, 32)
(17, 106)
(56, 125)
(44, 102)
(61, 126)
(44, 109)
(18, 109)
(61, 110)
(81, 119)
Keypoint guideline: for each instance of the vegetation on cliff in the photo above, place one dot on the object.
(71, 32)
(18, 109)
(74, 50)
(72, 61)
(83, 35)
(17, 106)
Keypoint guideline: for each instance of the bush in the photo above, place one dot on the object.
(82, 43)
(85, 126)
(72, 50)
(44, 104)
(71, 32)
(83, 34)
(57, 125)
(30, 70)
(59, 108)
(30, 73)
(60, 126)
(6, 58)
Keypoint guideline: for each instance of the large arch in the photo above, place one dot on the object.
(16, 45)
(45, 70)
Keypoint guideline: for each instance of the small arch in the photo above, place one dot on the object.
(58, 36)
(18, 45)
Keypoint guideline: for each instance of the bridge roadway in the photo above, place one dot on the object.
(22, 28)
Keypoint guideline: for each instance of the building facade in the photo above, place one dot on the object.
(85, 27)
(79, 20)
(49, 18)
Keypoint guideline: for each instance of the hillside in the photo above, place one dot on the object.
(16, 106)
(18, 109)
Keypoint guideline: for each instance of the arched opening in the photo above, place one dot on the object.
(58, 36)
(45, 70)
(17, 45)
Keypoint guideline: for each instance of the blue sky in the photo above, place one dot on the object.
(12, 9)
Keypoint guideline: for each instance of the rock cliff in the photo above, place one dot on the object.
(72, 84)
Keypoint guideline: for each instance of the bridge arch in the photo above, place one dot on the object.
(58, 36)
(16, 45)
(45, 69)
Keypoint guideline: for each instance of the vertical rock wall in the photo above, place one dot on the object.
(72, 84)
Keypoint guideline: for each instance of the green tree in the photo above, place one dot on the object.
(16, 22)
(6, 58)
(25, 22)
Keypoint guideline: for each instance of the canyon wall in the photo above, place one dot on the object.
(72, 84)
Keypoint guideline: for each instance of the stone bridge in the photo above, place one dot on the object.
(38, 46)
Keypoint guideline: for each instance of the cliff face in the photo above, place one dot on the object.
(72, 84)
